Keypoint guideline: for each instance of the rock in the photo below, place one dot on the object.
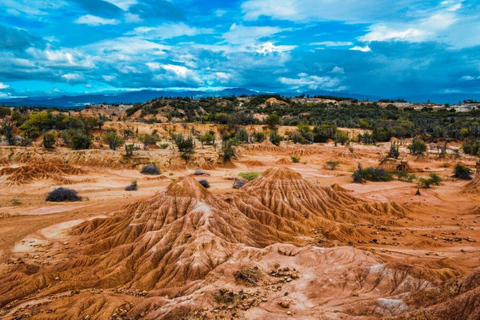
(285, 304)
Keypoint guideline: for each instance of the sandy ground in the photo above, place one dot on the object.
(439, 233)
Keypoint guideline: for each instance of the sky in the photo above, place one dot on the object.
(387, 48)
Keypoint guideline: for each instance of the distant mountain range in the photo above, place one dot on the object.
(128, 97)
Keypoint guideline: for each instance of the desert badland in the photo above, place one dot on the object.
(164, 219)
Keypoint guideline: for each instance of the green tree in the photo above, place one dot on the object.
(49, 140)
(148, 139)
(113, 140)
(272, 120)
(76, 139)
(417, 147)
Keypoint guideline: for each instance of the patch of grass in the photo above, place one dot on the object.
(250, 175)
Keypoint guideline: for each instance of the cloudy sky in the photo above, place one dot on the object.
(388, 48)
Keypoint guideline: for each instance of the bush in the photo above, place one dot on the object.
(295, 159)
(62, 195)
(148, 139)
(204, 183)
(208, 138)
(228, 151)
(462, 172)
(113, 140)
(49, 140)
(76, 139)
(433, 179)
(275, 138)
(332, 164)
(259, 137)
(249, 176)
(404, 176)
(371, 174)
(418, 147)
(132, 187)
(150, 169)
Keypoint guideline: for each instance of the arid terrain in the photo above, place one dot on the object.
(301, 241)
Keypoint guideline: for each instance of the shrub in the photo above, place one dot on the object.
(394, 150)
(132, 187)
(275, 138)
(418, 147)
(148, 139)
(76, 139)
(249, 276)
(208, 138)
(295, 159)
(404, 176)
(49, 140)
(150, 169)
(462, 172)
(250, 175)
(371, 174)
(164, 146)
(113, 140)
(62, 195)
(204, 183)
(228, 151)
(259, 137)
(332, 164)
(433, 179)
(272, 120)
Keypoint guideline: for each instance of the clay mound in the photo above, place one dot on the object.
(348, 152)
(458, 299)
(52, 170)
(162, 245)
(253, 163)
(283, 161)
(473, 186)
(305, 151)
(264, 146)
(282, 198)
(337, 188)
(207, 166)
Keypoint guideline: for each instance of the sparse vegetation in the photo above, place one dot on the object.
(113, 140)
(295, 159)
(432, 180)
(417, 147)
(332, 164)
(250, 175)
(462, 172)
(371, 174)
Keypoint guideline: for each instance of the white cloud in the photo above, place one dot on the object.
(132, 18)
(170, 30)
(469, 78)
(362, 49)
(3, 86)
(123, 4)
(108, 78)
(337, 70)
(332, 43)
(356, 11)
(153, 65)
(242, 35)
(72, 77)
(180, 71)
(311, 82)
(268, 47)
(91, 20)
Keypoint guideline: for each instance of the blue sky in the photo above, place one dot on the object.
(376, 47)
